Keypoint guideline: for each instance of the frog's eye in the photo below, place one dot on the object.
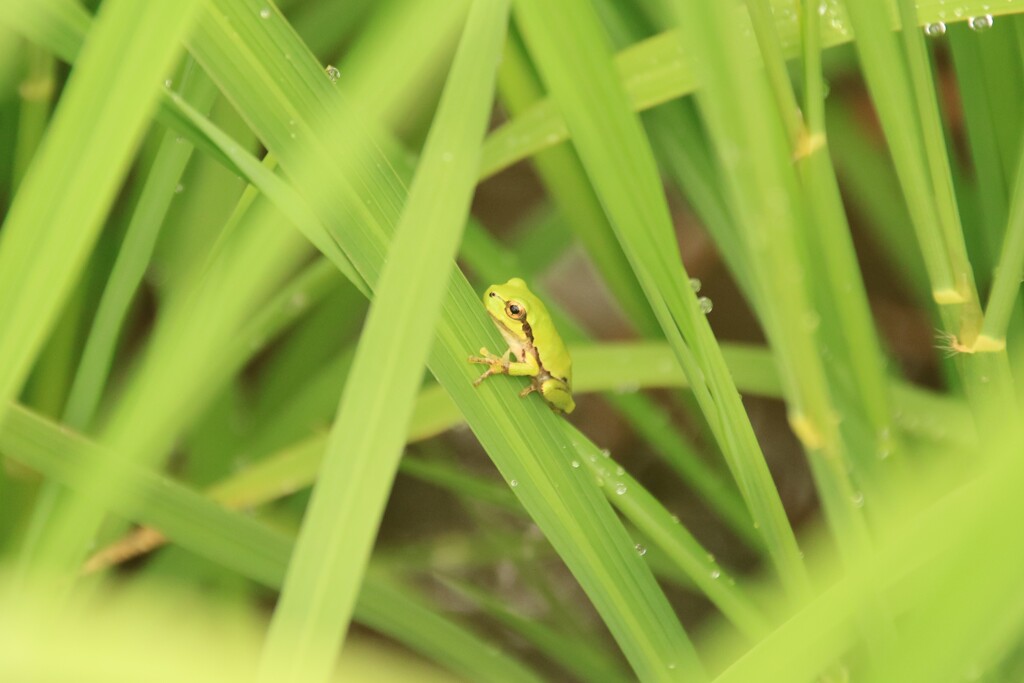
(515, 311)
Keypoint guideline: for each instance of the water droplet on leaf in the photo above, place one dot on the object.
(981, 23)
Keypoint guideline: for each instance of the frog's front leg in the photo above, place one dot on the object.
(499, 365)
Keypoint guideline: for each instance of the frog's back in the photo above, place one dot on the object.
(551, 350)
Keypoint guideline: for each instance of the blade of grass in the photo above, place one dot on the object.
(645, 416)
(903, 93)
(36, 90)
(652, 519)
(243, 545)
(59, 208)
(872, 190)
(242, 52)
(992, 183)
(567, 184)
(159, 397)
(928, 555)
(1008, 273)
(654, 71)
(764, 196)
(643, 603)
(621, 167)
(571, 655)
(348, 501)
(133, 259)
(293, 466)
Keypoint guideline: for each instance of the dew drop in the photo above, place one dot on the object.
(514, 483)
(333, 73)
(620, 489)
(671, 665)
(857, 499)
(935, 29)
(179, 188)
(705, 305)
(606, 453)
(640, 549)
(715, 573)
(695, 284)
(168, 83)
(265, 13)
(982, 23)
(575, 464)
(620, 471)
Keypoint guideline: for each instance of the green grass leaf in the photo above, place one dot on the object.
(243, 545)
(59, 208)
(619, 161)
(367, 440)
(520, 436)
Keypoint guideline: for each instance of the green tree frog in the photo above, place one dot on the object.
(533, 341)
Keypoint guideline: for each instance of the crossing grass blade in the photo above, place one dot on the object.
(241, 51)
(366, 440)
(654, 71)
(133, 259)
(60, 206)
(243, 545)
(572, 195)
(619, 161)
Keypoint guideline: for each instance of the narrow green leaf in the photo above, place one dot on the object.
(355, 479)
(133, 259)
(619, 161)
(1009, 272)
(243, 53)
(238, 542)
(59, 208)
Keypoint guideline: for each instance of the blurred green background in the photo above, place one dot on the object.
(783, 240)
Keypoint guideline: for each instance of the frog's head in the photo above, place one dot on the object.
(509, 305)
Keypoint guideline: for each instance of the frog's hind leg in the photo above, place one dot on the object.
(530, 388)
(558, 395)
